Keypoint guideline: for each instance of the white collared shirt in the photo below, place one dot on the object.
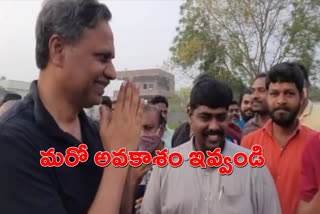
(189, 190)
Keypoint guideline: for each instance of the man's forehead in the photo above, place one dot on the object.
(260, 82)
(100, 37)
(233, 106)
(102, 28)
(247, 97)
(209, 110)
(161, 106)
(283, 86)
(149, 115)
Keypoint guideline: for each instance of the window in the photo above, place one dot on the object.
(150, 86)
(145, 86)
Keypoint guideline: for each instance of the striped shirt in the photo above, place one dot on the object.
(250, 126)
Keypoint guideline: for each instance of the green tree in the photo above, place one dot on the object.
(235, 40)
(314, 94)
(178, 107)
(179, 101)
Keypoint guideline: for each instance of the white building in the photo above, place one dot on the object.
(19, 87)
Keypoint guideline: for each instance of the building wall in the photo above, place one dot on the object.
(151, 82)
(19, 87)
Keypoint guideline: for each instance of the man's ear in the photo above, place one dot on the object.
(56, 50)
(305, 93)
(189, 112)
(303, 97)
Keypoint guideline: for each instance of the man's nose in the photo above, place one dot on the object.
(110, 72)
(255, 96)
(213, 125)
(281, 99)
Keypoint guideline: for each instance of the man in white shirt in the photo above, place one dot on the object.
(192, 190)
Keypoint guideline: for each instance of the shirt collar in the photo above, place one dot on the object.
(189, 147)
(269, 124)
(253, 121)
(44, 119)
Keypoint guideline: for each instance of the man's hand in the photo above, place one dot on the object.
(136, 174)
(125, 127)
(312, 207)
(122, 131)
(138, 204)
(134, 177)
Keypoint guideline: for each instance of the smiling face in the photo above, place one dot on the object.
(246, 107)
(87, 65)
(208, 126)
(233, 113)
(259, 96)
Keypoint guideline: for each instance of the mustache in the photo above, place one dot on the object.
(258, 100)
(281, 108)
(103, 81)
(214, 132)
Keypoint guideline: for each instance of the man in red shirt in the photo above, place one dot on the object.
(310, 178)
(283, 137)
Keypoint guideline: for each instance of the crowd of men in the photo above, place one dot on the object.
(74, 41)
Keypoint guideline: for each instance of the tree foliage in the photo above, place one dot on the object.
(314, 94)
(179, 101)
(235, 40)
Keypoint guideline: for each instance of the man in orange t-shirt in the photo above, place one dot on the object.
(283, 137)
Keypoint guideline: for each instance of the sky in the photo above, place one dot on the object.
(143, 32)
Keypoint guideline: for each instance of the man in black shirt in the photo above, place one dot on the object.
(10, 97)
(74, 52)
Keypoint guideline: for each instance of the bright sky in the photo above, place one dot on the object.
(143, 31)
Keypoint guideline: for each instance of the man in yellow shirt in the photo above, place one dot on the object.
(310, 116)
(309, 113)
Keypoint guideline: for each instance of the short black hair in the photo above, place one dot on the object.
(260, 75)
(159, 99)
(304, 71)
(286, 72)
(106, 101)
(233, 102)
(68, 19)
(210, 92)
(10, 96)
(244, 92)
(201, 77)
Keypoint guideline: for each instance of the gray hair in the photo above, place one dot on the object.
(68, 19)
(150, 107)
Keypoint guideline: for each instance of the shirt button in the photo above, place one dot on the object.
(207, 173)
(205, 199)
